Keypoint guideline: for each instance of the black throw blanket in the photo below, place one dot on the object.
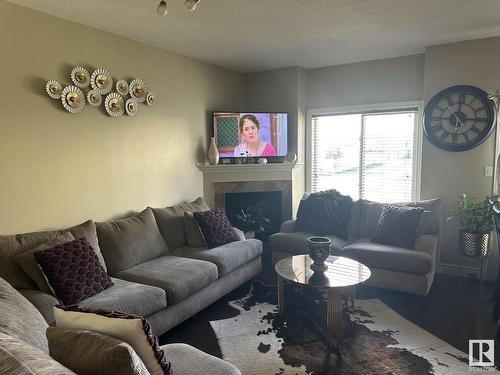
(325, 212)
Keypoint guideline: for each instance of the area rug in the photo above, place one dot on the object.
(376, 339)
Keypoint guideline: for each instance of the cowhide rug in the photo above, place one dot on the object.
(376, 339)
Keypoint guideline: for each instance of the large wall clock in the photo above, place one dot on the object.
(459, 118)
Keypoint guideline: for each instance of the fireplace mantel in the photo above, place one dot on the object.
(246, 172)
(285, 177)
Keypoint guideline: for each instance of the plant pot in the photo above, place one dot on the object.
(319, 250)
(473, 244)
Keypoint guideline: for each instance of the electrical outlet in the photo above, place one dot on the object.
(488, 171)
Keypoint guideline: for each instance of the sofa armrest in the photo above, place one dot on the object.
(44, 302)
(239, 233)
(427, 243)
(288, 226)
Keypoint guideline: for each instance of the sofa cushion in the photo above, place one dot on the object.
(178, 277)
(398, 226)
(134, 330)
(215, 227)
(296, 242)
(325, 212)
(171, 221)
(388, 257)
(12, 245)
(19, 358)
(20, 318)
(125, 296)
(29, 265)
(227, 257)
(73, 271)
(187, 360)
(128, 242)
(371, 211)
(193, 234)
(92, 353)
(129, 297)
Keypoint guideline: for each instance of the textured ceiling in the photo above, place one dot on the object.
(256, 35)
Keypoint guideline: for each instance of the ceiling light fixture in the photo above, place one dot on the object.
(162, 8)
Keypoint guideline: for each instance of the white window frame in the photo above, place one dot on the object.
(418, 134)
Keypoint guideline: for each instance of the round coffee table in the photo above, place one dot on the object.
(342, 272)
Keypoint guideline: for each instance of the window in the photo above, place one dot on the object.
(369, 155)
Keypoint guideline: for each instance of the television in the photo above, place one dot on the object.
(251, 135)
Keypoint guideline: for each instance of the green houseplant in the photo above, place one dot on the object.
(475, 224)
(253, 220)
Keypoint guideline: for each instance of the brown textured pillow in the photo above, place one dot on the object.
(19, 358)
(92, 353)
(73, 271)
(29, 265)
(398, 226)
(134, 330)
(215, 227)
(193, 233)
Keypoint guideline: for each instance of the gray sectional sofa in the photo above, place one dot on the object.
(392, 267)
(24, 348)
(153, 259)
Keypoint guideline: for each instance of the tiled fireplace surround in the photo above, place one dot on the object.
(221, 179)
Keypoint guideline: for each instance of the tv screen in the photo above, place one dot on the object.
(251, 134)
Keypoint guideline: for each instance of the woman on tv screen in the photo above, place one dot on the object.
(251, 144)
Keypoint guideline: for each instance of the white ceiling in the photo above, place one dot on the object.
(256, 35)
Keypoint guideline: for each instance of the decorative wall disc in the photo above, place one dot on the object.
(114, 104)
(137, 90)
(80, 77)
(94, 98)
(131, 106)
(54, 89)
(101, 81)
(72, 99)
(122, 87)
(151, 98)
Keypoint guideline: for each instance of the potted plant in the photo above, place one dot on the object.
(476, 223)
(253, 220)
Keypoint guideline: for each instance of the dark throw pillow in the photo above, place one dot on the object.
(325, 212)
(398, 226)
(73, 271)
(215, 227)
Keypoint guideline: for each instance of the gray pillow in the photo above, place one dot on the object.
(92, 353)
(171, 221)
(131, 241)
(193, 233)
(20, 319)
(19, 358)
(29, 265)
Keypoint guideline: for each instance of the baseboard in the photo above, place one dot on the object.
(454, 270)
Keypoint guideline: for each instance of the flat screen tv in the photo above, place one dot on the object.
(251, 134)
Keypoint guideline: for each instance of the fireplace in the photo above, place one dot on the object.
(261, 203)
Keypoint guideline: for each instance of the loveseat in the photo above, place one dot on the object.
(392, 267)
(156, 260)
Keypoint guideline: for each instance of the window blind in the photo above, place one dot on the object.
(366, 155)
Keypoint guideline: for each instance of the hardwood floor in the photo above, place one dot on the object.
(451, 312)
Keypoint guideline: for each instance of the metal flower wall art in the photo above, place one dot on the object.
(97, 88)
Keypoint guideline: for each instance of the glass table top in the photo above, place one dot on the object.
(341, 271)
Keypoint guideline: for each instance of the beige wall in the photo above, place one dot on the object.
(58, 169)
(448, 174)
(380, 81)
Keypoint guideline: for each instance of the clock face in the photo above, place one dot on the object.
(459, 118)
